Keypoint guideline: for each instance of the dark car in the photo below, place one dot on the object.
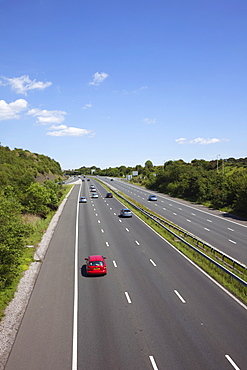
(152, 197)
(125, 212)
(109, 195)
(96, 265)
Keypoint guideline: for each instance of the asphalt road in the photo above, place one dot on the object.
(153, 310)
(221, 230)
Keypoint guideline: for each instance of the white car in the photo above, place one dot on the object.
(95, 195)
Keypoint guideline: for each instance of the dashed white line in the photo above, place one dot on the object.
(209, 220)
(114, 213)
(102, 230)
(174, 214)
(120, 220)
(230, 229)
(127, 297)
(179, 296)
(206, 229)
(114, 263)
(137, 242)
(96, 214)
(152, 262)
(232, 241)
(188, 220)
(155, 367)
(107, 244)
(164, 209)
(232, 362)
(99, 221)
(193, 214)
(127, 229)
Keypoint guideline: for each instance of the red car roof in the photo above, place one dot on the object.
(95, 258)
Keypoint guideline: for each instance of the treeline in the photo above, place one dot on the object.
(221, 184)
(20, 195)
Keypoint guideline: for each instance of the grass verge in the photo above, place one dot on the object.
(39, 228)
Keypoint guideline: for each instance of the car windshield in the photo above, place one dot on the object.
(96, 263)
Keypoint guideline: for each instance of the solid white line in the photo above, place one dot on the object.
(155, 367)
(152, 262)
(127, 297)
(179, 296)
(75, 310)
(114, 263)
(232, 362)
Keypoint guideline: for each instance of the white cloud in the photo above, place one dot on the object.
(22, 84)
(45, 117)
(86, 106)
(64, 130)
(200, 140)
(12, 110)
(98, 78)
(149, 121)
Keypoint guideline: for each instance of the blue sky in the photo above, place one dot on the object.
(120, 82)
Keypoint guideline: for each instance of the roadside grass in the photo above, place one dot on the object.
(39, 228)
(231, 284)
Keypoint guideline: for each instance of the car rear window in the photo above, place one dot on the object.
(96, 263)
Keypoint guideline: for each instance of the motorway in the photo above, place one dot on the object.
(220, 230)
(153, 310)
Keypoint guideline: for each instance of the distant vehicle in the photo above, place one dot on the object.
(112, 179)
(109, 195)
(93, 189)
(88, 179)
(96, 265)
(83, 200)
(152, 197)
(125, 212)
(95, 195)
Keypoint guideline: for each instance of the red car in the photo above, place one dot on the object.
(96, 265)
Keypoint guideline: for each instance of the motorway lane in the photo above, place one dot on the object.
(227, 235)
(44, 339)
(198, 333)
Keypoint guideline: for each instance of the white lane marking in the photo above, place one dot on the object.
(75, 308)
(188, 220)
(170, 204)
(107, 244)
(99, 221)
(127, 230)
(137, 242)
(96, 214)
(127, 297)
(155, 367)
(164, 209)
(114, 263)
(232, 362)
(120, 220)
(209, 221)
(102, 230)
(174, 214)
(232, 241)
(179, 296)
(115, 214)
(230, 229)
(110, 208)
(206, 229)
(152, 262)
(193, 214)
